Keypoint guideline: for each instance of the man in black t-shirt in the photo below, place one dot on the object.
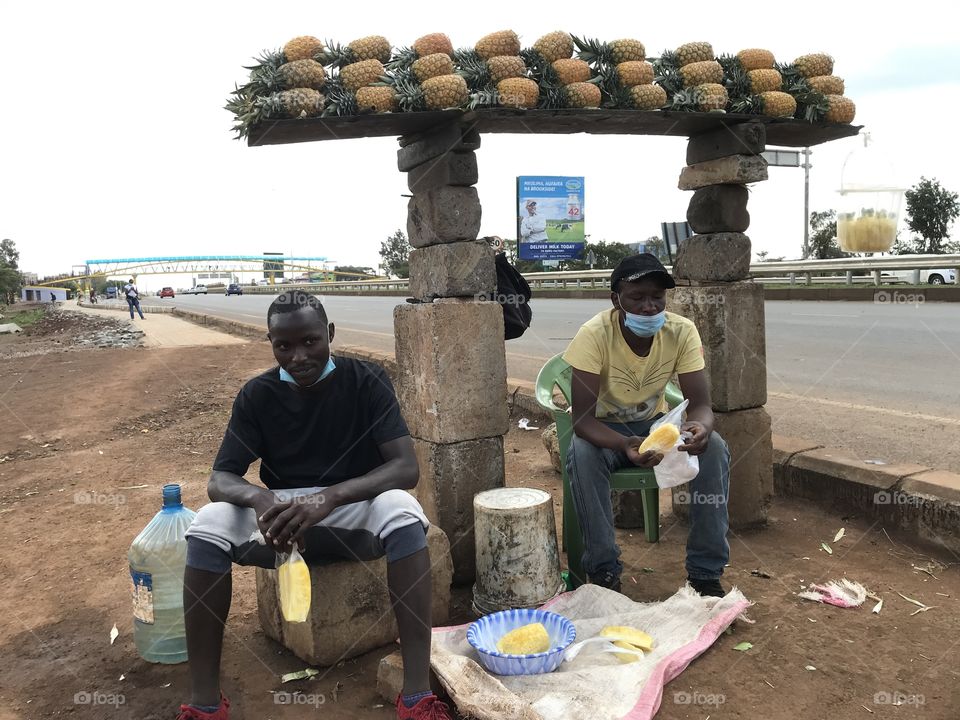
(335, 461)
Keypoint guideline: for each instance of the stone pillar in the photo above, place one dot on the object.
(713, 289)
(451, 363)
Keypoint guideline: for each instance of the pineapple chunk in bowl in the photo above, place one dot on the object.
(485, 633)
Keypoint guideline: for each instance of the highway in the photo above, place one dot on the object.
(881, 379)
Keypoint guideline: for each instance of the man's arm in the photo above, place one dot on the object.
(288, 522)
(585, 390)
(699, 411)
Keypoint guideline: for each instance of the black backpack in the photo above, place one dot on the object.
(513, 294)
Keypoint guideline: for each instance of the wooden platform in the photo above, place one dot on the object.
(781, 132)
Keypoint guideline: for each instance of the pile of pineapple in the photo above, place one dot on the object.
(310, 78)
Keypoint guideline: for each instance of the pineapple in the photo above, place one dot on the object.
(303, 47)
(583, 95)
(372, 47)
(701, 72)
(518, 92)
(826, 84)
(504, 42)
(694, 52)
(376, 98)
(300, 102)
(756, 59)
(433, 65)
(814, 65)
(634, 72)
(711, 96)
(778, 104)
(571, 70)
(432, 44)
(599, 53)
(359, 74)
(842, 109)
(556, 45)
(764, 80)
(648, 97)
(502, 67)
(302, 74)
(525, 640)
(444, 91)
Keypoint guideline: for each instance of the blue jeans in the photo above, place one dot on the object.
(589, 468)
(134, 303)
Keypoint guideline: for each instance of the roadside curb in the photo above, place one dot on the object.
(159, 309)
(922, 501)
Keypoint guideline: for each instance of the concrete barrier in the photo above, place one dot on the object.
(125, 309)
(918, 500)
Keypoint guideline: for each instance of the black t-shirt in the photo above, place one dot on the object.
(307, 439)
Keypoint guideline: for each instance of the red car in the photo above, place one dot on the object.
(167, 292)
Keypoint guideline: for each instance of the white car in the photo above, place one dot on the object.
(932, 277)
(198, 290)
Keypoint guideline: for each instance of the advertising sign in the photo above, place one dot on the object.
(550, 217)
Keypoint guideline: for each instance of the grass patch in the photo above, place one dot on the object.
(24, 318)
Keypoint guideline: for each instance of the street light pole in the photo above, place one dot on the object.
(806, 202)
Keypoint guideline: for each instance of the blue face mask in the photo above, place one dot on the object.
(287, 377)
(644, 325)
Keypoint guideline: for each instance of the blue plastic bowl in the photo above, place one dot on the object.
(484, 634)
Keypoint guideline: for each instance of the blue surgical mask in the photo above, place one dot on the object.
(644, 325)
(287, 377)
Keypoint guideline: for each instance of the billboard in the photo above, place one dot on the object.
(550, 217)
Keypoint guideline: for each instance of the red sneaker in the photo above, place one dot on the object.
(191, 713)
(429, 708)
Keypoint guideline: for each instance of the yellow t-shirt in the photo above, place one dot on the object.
(631, 387)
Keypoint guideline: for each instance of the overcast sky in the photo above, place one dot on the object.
(116, 143)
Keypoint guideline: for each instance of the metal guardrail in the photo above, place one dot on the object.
(809, 272)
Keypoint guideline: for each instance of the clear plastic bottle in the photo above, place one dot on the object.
(157, 559)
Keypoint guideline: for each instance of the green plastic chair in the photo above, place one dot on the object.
(558, 373)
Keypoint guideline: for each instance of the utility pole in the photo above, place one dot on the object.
(806, 202)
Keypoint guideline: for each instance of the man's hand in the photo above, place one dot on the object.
(288, 522)
(265, 503)
(647, 459)
(697, 444)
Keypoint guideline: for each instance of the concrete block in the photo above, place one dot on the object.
(730, 320)
(423, 148)
(463, 269)
(450, 475)
(719, 209)
(457, 168)
(784, 448)
(738, 169)
(451, 369)
(390, 678)
(747, 433)
(928, 505)
(935, 483)
(742, 139)
(350, 612)
(718, 257)
(444, 214)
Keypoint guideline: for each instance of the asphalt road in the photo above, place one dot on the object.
(880, 379)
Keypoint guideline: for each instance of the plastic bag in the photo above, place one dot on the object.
(677, 467)
(294, 587)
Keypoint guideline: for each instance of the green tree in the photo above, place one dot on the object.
(395, 253)
(823, 235)
(655, 246)
(10, 279)
(931, 209)
(513, 257)
(608, 256)
(762, 255)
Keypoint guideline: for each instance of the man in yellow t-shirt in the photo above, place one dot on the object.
(622, 360)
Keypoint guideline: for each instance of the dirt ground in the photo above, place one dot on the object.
(81, 429)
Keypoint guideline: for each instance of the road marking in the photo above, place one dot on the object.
(365, 332)
(821, 315)
(867, 408)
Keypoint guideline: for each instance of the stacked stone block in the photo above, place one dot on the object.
(451, 365)
(713, 289)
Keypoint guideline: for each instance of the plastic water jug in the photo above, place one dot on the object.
(157, 559)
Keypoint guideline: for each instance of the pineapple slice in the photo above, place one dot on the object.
(627, 657)
(294, 576)
(661, 439)
(525, 640)
(629, 636)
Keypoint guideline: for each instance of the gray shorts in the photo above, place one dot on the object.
(391, 524)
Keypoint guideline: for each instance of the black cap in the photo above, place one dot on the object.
(639, 266)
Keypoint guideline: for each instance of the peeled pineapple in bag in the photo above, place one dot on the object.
(294, 587)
